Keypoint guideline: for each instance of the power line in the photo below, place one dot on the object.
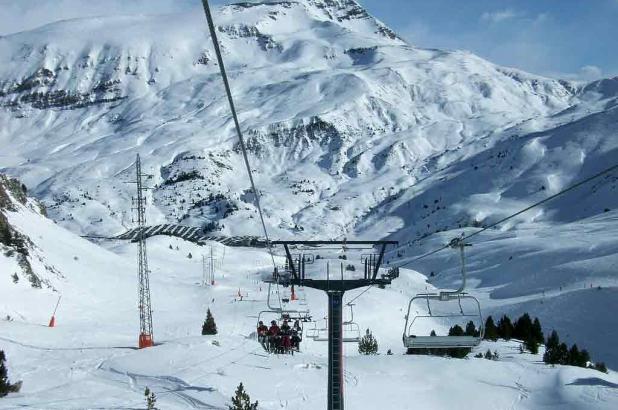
(241, 140)
(549, 198)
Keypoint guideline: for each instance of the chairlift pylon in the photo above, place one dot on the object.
(415, 341)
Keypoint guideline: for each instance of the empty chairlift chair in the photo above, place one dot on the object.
(415, 341)
(351, 330)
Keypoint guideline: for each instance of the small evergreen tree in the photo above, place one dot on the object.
(488, 355)
(151, 399)
(433, 333)
(531, 345)
(242, 401)
(600, 366)
(551, 355)
(505, 328)
(573, 356)
(537, 331)
(584, 358)
(4, 379)
(563, 354)
(189, 255)
(491, 331)
(5, 386)
(368, 344)
(209, 327)
(471, 329)
(522, 329)
(457, 352)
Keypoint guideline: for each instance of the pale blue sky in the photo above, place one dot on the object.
(561, 38)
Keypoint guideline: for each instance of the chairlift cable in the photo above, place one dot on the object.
(548, 199)
(241, 140)
(360, 294)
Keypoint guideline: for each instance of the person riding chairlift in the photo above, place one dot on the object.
(274, 336)
(296, 338)
(262, 333)
(286, 334)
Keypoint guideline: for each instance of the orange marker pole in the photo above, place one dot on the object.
(52, 321)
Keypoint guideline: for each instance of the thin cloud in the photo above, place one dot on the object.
(499, 16)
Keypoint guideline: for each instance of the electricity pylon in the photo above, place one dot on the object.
(145, 310)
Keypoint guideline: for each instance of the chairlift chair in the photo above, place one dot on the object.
(412, 340)
(351, 330)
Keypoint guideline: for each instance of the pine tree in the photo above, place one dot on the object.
(522, 329)
(551, 348)
(471, 329)
(368, 344)
(189, 255)
(151, 399)
(209, 327)
(531, 345)
(4, 379)
(563, 354)
(600, 366)
(5, 386)
(457, 352)
(584, 358)
(537, 331)
(242, 401)
(505, 328)
(456, 331)
(491, 331)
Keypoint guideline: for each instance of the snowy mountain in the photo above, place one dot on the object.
(352, 132)
(334, 104)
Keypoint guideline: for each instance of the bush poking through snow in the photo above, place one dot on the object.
(209, 327)
(368, 344)
(151, 399)
(242, 401)
(5, 386)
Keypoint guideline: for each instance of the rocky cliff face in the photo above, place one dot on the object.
(14, 245)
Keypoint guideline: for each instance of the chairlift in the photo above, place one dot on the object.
(351, 330)
(415, 341)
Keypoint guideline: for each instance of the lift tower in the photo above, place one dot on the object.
(335, 287)
(145, 309)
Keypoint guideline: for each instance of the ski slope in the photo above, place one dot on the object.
(89, 359)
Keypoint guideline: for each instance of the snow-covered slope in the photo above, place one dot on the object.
(89, 359)
(352, 133)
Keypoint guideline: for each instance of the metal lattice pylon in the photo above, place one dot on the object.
(145, 310)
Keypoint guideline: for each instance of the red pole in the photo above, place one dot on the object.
(52, 321)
